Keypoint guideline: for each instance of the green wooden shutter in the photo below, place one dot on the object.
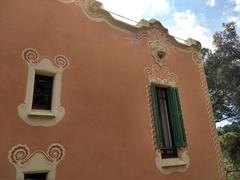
(184, 139)
(176, 118)
(156, 115)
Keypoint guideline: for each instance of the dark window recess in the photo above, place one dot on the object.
(42, 94)
(169, 152)
(35, 176)
(169, 126)
(168, 149)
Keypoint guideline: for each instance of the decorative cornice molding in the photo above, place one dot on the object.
(19, 155)
(160, 43)
(158, 39)
(67, 1)
(152, 30)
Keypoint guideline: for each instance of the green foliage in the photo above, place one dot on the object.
(222, 67)
(223, 73)
(230, 144)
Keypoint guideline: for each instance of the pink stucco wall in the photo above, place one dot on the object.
(106, 130)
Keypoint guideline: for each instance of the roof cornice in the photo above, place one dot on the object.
(143, 29)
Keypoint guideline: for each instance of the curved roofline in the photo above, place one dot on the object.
(95, 11)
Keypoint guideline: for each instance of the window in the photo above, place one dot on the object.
(42, 93)
(42, 104)
(35, 176)
(168, 120)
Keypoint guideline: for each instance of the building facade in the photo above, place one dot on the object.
(86, 96)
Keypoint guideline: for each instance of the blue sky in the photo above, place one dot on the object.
(198, 19)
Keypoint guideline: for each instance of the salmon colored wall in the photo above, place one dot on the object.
(106, 130)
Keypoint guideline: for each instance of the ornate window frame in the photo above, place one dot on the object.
(43, 66)
(159, 73)
(36, 162)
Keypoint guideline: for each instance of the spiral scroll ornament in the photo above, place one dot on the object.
(61, 61)
(18, 154)
(56, 152)
(30, 55)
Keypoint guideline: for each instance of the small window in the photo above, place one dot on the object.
(168, 120)
(42, 94)
(43, 90)
(35, 176)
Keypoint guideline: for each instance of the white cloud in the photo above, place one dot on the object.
(237, 5)
(136, 9)
(158, 6)
(185, 23)
(211, 3)
(235, 19)
(186, 26)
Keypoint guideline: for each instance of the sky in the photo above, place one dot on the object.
(198, 19)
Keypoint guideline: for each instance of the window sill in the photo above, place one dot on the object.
(173, 162)
(46, 113)
(171, 165)
(36, 117)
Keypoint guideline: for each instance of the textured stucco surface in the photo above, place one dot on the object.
(106, 130)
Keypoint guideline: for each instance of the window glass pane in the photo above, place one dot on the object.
(165, 124)
(35, 176)
(42, 94)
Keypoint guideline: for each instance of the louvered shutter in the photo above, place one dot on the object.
(156, 115)
(176, 118)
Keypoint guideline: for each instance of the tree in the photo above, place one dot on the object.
(223, 73)
(230, 144)
(222, 68)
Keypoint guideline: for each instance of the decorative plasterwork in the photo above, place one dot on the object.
(158, 39)
(160, 75)
(151, 30)
(20, 155)
(67, 1)
(197, 58)
(160, 42)
(38, 161)
(158, 51)
(32, 57)
(43, 66)
(156, 32)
